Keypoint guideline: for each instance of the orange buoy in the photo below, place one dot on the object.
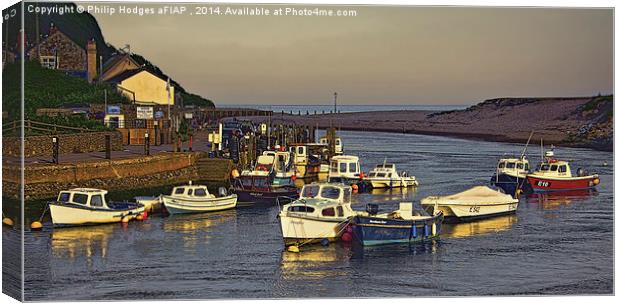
(145, 215)
(7, 221)
(346, 237)
(234, 173)
(36, 225)
(293, 177)
(596, 181)
(361, 175)
(125, 219)
(355, 187)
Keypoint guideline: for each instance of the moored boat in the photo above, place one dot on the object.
(556, 175)
(386, 176)
(306, 164)
(283, 168)
(474, 203)
(320, 214)
(254, 189)
(344, 169)
(151, 203)
(84, 206)
(511, 174)
(190, 198)
(404, 225)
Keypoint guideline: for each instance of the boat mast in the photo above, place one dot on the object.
(526, 144)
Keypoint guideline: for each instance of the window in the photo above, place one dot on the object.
(347, 195)
(334, 167)
(343, 167)
(544, 167)
(80, 198)
(96, 201)
(179, 191)
(64, 197)
(200, 192)
(340, 211)
(554, 167)
(330, 192)
(190, 192)
(527, 166)
(261, 182)
(310, 191)
(353, 167)
(246, 182)
(520, 166)
(337, 141)
(329, 212)
(301, 209)
(48, 62)
(510, 165)
(300, 150)
(502, 164)
(562, 169)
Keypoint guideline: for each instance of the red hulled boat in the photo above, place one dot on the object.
(556, 175)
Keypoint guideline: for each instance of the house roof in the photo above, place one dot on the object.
(130, 73)
(114, 60)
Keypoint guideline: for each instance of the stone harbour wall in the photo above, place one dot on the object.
(44, 181)
(35, 146)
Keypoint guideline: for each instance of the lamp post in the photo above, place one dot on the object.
(335, 102)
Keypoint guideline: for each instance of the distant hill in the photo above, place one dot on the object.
(81, 28)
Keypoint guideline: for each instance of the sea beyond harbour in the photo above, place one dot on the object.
(343, 108)
(555, 244)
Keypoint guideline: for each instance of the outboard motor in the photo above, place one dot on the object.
(222, 191)
(372, 208)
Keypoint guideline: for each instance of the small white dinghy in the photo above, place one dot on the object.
(474, 203)
(83, 206)
(190, 198)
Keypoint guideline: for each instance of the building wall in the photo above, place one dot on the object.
(147, 88)
(38, 146)
(124, 65)
(71, 57)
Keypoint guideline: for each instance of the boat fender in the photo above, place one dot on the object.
(346, 237)
(355, 187)
(414, 231)
(145, 215)
(125, 219)
(36, 225)
(427, 231)
(596, 181)
(324, 241)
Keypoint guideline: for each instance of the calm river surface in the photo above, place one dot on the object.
(553, 245)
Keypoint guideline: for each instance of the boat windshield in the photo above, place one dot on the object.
(310, 191)
(330, 192)
(544, 167)
(64, 197)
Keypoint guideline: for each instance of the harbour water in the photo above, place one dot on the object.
(554, 245)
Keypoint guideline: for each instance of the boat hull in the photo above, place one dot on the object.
(509, 184)
(265, 197)
(296, 230)
(391, 183)
(369, 231)
(473, 211)
(304, 171)
(186, 206)
(150, 203)
(541, 184)
(72, 215)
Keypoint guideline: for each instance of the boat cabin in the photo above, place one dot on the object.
(554, 168)
(513, 166)
(88, 197)
(191, 191)
(325, 141)
(281, 160)
(385, 170)
(347, 167)
(323, 200)
(254, 183)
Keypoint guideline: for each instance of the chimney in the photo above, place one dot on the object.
(53, 28)
(21, 38)
(91, 60)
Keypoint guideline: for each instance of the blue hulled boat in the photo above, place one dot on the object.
(511, 174)
(401, 226)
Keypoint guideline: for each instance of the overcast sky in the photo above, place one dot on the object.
(397, 55)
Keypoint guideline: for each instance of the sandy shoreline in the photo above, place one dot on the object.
(559, 121)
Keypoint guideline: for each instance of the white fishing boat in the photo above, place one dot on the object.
(385, 175)
(283, 168)
(339, 150)
(84, 206)
(344, 169)
(320, 214)
(476, 202)
(307, 165)
(196, 199)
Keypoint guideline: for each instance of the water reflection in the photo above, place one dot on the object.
(196, 228)
(314, 262)
(90, 241)
(479, 227)
(556, 200)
